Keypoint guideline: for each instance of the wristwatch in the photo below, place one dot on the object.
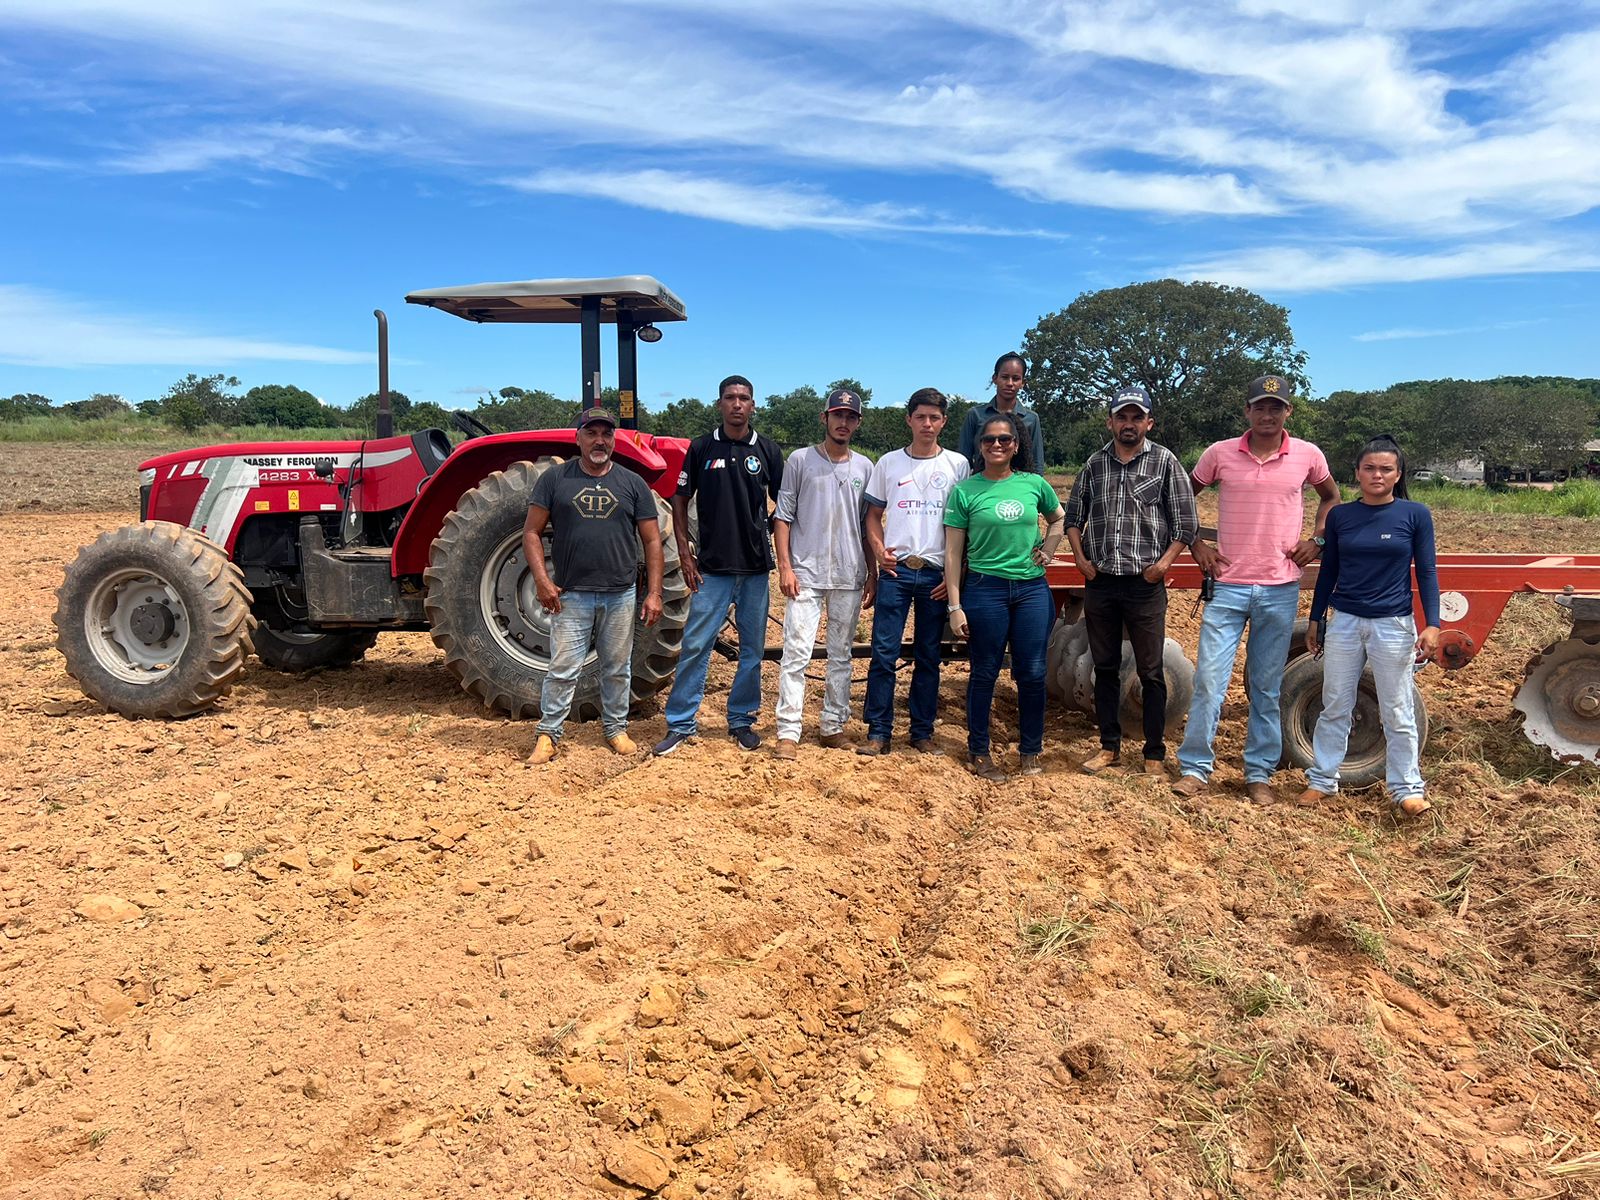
(953, 608)
(1320, 541)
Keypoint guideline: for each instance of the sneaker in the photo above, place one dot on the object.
(622, 744)
(543, 750)
(747, 738)
(787, 749)
(1100, 761)
(983, 767)
(670, 743)
(1028, 764)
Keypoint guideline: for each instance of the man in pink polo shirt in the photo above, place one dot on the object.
(1261, 547)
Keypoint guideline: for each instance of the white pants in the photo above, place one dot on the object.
(800, 621)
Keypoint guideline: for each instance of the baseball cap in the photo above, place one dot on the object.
(843, 400)
(590, 415)
(1131, 394)
(1269, 387)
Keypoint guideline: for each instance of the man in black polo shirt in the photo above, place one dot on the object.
(736, 472)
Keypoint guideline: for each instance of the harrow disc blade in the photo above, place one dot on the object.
(1560, 699)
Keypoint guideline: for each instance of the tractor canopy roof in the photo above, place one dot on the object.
(557, 301)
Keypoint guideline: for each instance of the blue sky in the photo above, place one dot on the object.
(883, 189)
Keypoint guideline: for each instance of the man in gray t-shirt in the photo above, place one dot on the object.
(823, 567)
(601, 513)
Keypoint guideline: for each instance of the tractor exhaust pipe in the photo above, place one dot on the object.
(385, 419)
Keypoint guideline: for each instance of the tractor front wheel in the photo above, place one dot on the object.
(485, 614)
(154, 620)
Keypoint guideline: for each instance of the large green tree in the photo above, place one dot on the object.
(1194, 347)
(23, 404)
(281, 404)
(196, 400)
(98, 407)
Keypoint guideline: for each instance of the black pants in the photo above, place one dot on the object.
(1110, 604)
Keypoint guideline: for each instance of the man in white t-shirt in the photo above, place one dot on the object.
(905, 533)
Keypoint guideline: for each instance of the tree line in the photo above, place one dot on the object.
(1193, 346)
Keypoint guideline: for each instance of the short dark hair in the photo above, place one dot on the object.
(932, 397)
(1384, 444)
(732, 381)
(1022, 460)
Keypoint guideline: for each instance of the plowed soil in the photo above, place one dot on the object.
(335, 939)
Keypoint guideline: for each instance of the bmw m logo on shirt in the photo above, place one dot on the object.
(1009, 510)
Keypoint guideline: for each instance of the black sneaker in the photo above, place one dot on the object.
(669, 743)
(747, 738)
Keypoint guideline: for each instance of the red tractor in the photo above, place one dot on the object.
(305, 551)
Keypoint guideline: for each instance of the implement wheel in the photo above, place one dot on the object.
(1300, 702)
(154, 620)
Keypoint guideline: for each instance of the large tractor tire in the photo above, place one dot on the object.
(154, 620)
(1300, 703)
(486, 617)
(294, 652)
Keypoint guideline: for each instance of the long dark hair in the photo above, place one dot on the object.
(1384, 444)
(1022, 460)
(1009, 356)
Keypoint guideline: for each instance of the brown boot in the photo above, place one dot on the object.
(873, 747)
(1156, 767)
(787, 749)
(1100, 761)
(925, 746)
(983, 767)
(1189, 785)
(621, 744)
(1260, 792)
(1029, 764)
(1311, 797)
(834, 741)
(543, 750)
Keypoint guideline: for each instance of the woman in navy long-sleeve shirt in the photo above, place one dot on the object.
(1365, 577)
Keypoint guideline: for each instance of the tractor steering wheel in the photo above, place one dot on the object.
(469, 424)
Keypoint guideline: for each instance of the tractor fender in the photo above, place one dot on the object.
(476, 459)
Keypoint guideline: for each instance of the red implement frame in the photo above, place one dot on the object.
(1474, 589)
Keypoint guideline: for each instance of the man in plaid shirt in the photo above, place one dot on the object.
(1131, 511)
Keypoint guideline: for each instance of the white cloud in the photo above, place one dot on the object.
(45, 329)
(1409, 334)
(291, 149)
(1287, 269)
(761, 206)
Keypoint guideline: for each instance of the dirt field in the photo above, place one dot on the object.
(437, 972)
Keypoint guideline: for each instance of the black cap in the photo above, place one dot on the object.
(590, 415)
(843, 400)
(1131, 394)
(1269, 387)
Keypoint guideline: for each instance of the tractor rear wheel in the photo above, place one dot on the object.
(485, 614)
(294, 652)
(154, 620)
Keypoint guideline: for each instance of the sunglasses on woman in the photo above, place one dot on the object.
(997, 439)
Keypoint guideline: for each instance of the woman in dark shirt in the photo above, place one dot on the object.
(1372, 545)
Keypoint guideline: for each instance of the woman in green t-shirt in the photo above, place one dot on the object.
(992, 519)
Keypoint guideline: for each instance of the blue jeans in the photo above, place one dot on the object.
(1389, 646)
(907, 590)
(708, 610)
(602, 621)
(1270, 611)
(1002, 612)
